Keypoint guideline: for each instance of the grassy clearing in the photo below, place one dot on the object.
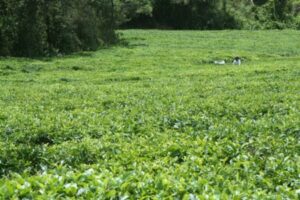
(153, 118)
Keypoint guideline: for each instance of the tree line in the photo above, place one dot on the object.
(45, 27)
(218, 14)
(49, 27)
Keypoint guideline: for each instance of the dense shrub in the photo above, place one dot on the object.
(192, 15)
(181, 14)
(218, 14)
(273, 14)
(39, 27)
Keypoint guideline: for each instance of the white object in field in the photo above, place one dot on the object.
(220, 62)
(237, 61)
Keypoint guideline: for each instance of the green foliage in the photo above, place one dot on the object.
(125, 10)
(217, 14)
(274, 14)
(155, 119)
(31, 29)
(199, 14)
(185, 14)
(38, 27)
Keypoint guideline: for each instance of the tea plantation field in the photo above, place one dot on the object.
(154, 118)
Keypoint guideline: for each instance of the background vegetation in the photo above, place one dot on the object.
(155, 119)
(219, 14)
(41, 28)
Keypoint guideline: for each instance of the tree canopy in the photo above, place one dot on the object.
(41, 27)
(219, 14)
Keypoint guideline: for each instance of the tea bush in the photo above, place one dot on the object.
(154, 118)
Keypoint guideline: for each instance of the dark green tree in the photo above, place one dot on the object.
(42, 27)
